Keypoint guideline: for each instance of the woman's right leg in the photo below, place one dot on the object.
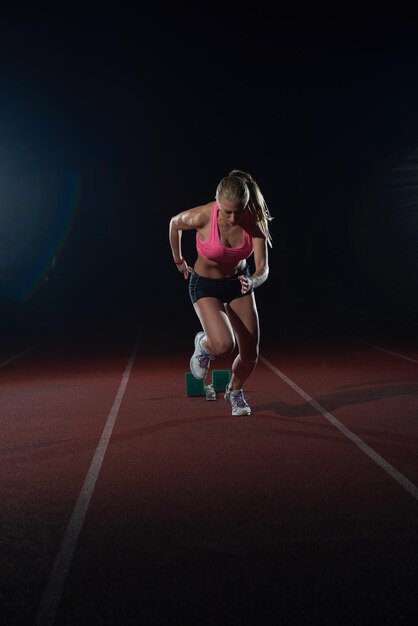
(219, 337)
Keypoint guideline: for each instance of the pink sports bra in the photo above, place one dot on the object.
(213, 250)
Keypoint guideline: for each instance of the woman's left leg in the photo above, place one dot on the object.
(243, 315)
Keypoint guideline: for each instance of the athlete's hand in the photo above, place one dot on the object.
(246, 283)
(185, 269)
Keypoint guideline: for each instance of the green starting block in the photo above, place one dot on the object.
(220, 379)
(194, 388)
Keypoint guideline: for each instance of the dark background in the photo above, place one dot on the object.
(112, 122)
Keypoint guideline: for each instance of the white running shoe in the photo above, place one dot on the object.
(200, 361)
(237, 401)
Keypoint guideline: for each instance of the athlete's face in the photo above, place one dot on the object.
(232, 212)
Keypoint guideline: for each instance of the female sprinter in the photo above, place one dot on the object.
(228, 231)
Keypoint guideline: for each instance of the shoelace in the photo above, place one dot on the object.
(238, 399)
(204, 359)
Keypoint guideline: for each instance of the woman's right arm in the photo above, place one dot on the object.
(192, 219)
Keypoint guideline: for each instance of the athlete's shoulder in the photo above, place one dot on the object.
(196, 217)
(200, 215)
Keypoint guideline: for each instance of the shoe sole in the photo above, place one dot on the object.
(196, 340)
(246, 411)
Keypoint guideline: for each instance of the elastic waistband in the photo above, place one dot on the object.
(234, 277)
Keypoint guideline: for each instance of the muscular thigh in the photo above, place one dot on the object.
(243, 315)
(215, 323)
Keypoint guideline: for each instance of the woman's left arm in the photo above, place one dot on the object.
(261, 266)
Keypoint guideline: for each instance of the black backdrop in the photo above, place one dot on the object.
(110, 123)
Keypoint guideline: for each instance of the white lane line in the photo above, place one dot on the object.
(54, 588)
(378, 317)
(372, 345)
(16, 356)
(379, 460)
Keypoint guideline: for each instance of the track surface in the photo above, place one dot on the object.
(192, 516)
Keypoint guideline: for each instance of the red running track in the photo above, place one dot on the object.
(303, 513)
